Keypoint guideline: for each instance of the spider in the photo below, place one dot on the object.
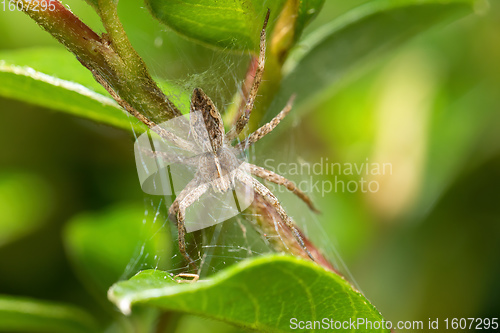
(215, 157)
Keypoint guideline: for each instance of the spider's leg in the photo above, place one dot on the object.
(177, 212)
(265, 129)
(245, 114)
(167, 135)
(170, 158)
(174, 139)
(280, 180)
(270, 198)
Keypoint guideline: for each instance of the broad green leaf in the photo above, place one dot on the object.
(117, 243)
(263, 294)
(54, 79)
(17, 192)
(228, 24)
(331, 52)
(26, 315)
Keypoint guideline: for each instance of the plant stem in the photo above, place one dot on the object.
(135, 83)
(68, 30)
(108, 12)
(127, 76)
(283, 240)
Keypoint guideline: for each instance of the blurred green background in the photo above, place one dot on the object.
(425, 246)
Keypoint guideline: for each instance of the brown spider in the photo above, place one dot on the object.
(217, 169)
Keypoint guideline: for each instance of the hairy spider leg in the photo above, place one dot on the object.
(179, 142)
(280, 180)
(177, 212)
(245, 115)
(267, 128)
(270, 198)
(171, 158)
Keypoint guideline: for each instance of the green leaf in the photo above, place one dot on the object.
(116, 243)
(233, 24)
(455, 134)
(18, 191)
(54, 79)
(331, 52)
(308, 10)
(262, 294)
(26, 315)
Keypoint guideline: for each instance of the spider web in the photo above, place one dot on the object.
(240, 237)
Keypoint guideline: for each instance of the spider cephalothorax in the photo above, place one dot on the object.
(217, 167)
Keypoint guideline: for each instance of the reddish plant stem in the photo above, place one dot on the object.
(285, 240)
(129, 80)
(62, 24)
